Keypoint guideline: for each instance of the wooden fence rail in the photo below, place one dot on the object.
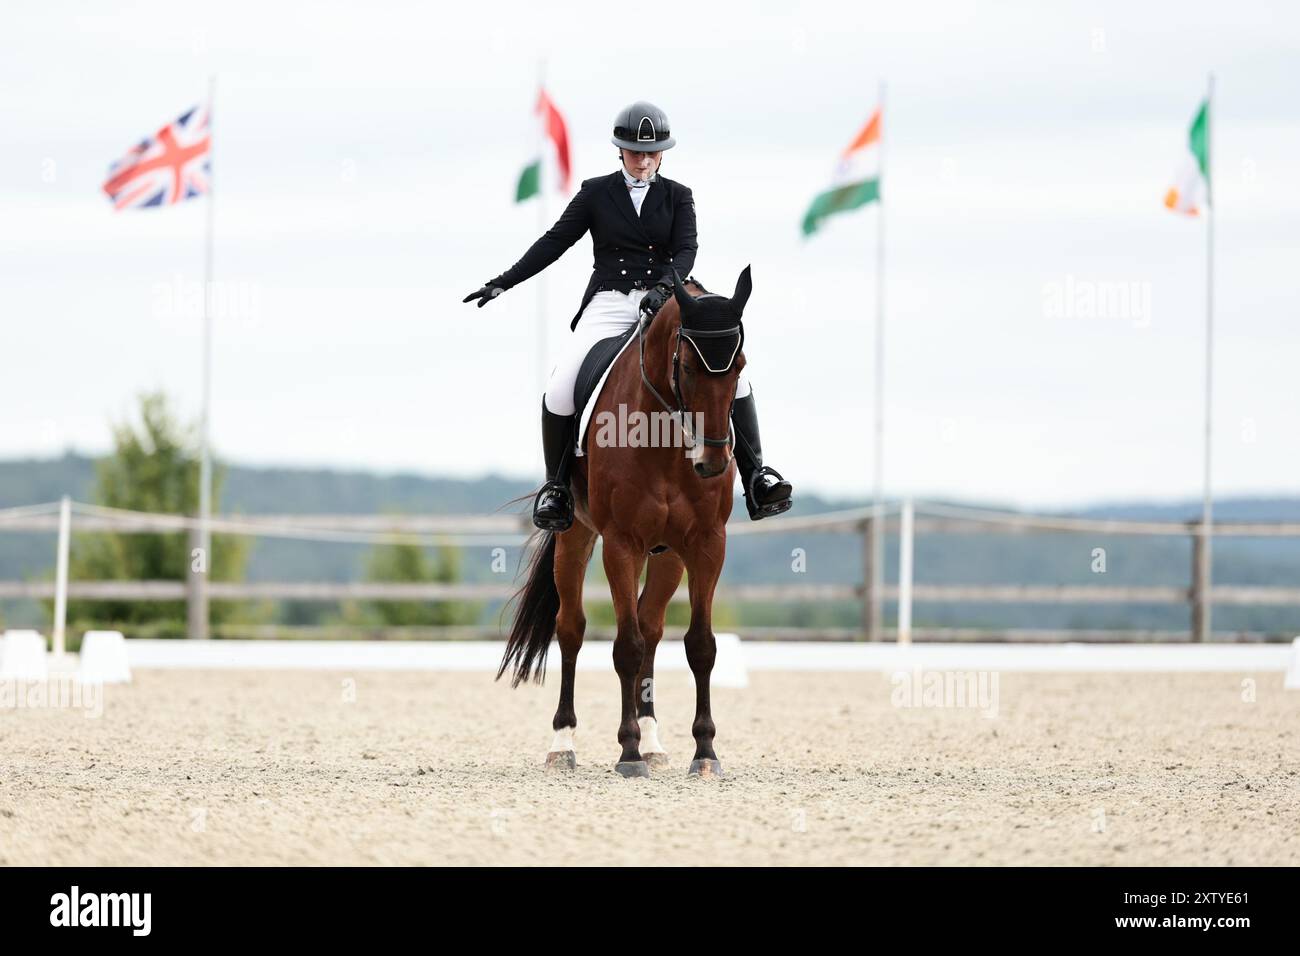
(511, 530)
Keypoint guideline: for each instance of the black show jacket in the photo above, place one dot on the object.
(629, 251)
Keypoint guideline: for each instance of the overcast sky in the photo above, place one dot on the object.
(366, 156)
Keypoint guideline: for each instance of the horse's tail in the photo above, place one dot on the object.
(535, 614)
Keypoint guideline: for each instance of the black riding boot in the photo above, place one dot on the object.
(553, 509)
(767, 493)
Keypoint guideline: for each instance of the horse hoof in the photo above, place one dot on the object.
(705, 768)
(561, 760)
(657, 761)
(632, 768)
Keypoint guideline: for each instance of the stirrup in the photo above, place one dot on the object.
(778, 506)
(559, 515)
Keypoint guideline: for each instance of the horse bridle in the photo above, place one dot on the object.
(690, 335)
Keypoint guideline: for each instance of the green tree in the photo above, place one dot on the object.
(411, 563)
(154, 467)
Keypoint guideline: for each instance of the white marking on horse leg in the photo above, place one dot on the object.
(650, 736)
(563, 739)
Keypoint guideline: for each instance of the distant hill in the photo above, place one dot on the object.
(277, 490)
(832, 558)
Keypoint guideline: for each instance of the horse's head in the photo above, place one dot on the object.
(707, 362)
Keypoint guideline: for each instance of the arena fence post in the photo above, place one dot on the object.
(871, 604)
(1200, 591)
(196, 589)
(61, 576)
(905, 532)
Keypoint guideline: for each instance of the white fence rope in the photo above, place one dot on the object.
(476, 530)
(29, 511)
(278, 527)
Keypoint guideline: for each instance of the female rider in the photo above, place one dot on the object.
(642, 228)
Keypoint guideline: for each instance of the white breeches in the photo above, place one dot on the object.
(607, 315)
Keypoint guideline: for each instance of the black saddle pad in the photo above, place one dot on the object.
(593, 367)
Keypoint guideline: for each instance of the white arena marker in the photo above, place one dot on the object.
(103, 658)
(729, 665)
(1292, 681)
(22, 656)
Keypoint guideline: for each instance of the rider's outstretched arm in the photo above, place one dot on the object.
(568, 229)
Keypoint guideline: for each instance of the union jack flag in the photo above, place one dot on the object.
(169, 167)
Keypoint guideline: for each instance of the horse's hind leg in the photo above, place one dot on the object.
(572, 552)
(623, 561)
(663, 575)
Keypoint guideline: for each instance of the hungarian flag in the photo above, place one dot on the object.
(169, 167)
(856, 181)
(556, 134)
(1191, 190)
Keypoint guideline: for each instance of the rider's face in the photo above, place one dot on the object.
(640, 165)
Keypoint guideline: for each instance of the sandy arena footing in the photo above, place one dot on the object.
(296, 767)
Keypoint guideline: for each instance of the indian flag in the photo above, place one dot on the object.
(1191, 190)
(556, 138)
(856, 181)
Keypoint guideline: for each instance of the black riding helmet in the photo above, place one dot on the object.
(642, 127)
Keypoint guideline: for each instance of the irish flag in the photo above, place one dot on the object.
(856, 181)
(555, 135)
(1191, 190)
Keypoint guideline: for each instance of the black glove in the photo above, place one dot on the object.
(654, 300)
(484, 295)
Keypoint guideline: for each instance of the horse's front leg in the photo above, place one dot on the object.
(572, 552)
(623, 561)
(663, 576)
(701, 650)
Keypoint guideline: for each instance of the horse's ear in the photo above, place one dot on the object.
(744, 285)
(684, 298)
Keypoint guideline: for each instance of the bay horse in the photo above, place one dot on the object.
(641, 499)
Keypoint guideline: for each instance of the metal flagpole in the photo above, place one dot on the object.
(199, 617)
(1204, 626)
(541, 226)
(878, 503)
